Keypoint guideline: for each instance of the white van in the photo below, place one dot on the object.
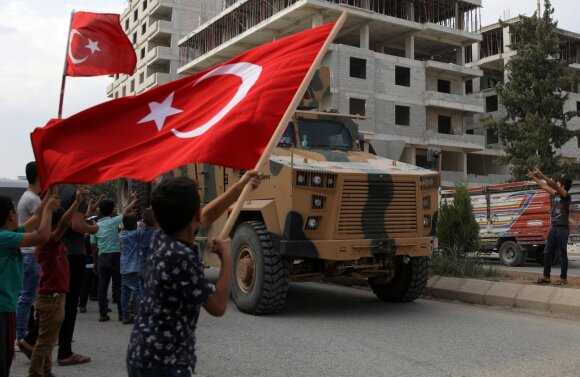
(13, 188)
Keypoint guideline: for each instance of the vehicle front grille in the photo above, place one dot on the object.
(378, 207)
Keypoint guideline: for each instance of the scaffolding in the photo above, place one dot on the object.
(245, 14)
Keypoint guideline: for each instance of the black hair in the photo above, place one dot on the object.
(130, 222)
(107, 206)
(565, 182)
(56, 216)
(175, 203)
(31, 172)
(6, 206)
(148, 217)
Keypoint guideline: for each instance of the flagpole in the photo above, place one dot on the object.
(283, 124)
(63, 83)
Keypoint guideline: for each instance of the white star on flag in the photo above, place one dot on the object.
(160, 111)
(93, 46)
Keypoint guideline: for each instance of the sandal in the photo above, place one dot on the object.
(74, 359)
(542, 280)
(561, 282)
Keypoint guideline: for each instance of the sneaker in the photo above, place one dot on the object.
(129, 321)
(104, 319)
(83, 309)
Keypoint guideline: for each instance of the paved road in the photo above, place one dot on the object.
(532, 266)
(327, 330)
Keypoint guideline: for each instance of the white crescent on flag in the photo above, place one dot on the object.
(248, 72)
(70, 54)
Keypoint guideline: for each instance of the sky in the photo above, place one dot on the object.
(33, 40)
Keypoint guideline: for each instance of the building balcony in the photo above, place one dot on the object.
(109, 91)
(465, 73)
(464, 142)
(159, 30)
(160, 8)
(157, 79)
(468, 104)
(158, 55)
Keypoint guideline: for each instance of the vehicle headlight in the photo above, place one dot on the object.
(427, 202)
(301, 178)
(312, 223)
(426, 221)
(317, 203)
(317, 180)
(330, 182)
(428, 182)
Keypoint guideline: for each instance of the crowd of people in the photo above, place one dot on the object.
(54, 257)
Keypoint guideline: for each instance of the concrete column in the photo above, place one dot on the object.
(460, 56)
(410, 46)
(505, 71)
(474, 58)
(412, 155)
(410, 10)
(506, 40)
(317, 19)
(463, 163)
(364, 36)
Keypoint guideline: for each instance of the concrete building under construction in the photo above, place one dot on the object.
(491, 55)
(420, 71)
(155, 27)
(400, 63)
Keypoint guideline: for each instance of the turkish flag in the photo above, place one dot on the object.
(98, 46)
(224, 115)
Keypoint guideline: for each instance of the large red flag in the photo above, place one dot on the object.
(224, 115)
(98, 46)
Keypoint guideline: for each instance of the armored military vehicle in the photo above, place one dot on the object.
(325, 211)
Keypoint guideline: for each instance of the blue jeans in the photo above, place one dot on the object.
(158, 372)
(28, 293)
(129, 284)
(557, 242)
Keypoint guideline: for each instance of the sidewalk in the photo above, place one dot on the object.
(548, 299)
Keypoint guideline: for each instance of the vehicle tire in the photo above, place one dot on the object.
(260, 277)
(409, 281)
(126, 186)
(511, 254)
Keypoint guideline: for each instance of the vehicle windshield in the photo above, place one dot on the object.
(325, 134)
(288, 138)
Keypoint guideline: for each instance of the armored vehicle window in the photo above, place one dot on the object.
(326, 134)
(288, 138)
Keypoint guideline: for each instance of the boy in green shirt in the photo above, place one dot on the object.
(12, 237)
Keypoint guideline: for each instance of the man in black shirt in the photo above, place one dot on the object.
(559, 232)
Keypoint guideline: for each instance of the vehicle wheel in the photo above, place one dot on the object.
(126, 186)
(511, 254)
(409, 281)
(260, 276)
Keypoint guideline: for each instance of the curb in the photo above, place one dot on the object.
(556, 300)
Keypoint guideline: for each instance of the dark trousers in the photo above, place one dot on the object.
(89, 287)
(557, 243)
(109, 269)
(7, 337)
(76, 264)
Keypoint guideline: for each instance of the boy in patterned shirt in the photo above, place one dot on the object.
(163, 339)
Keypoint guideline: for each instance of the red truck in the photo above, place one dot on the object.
(514, 219)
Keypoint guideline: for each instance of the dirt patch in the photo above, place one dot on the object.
(530, 277)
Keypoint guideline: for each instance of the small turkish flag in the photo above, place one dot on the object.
(98, 46)
(224, 115)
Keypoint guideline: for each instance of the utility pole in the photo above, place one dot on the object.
(539, 9)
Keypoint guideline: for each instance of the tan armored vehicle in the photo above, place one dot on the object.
(326, 211)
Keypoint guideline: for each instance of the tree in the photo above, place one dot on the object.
(535, 125)
(108, 189)
(457, 230)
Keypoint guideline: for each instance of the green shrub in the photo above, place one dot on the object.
(458, 235)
